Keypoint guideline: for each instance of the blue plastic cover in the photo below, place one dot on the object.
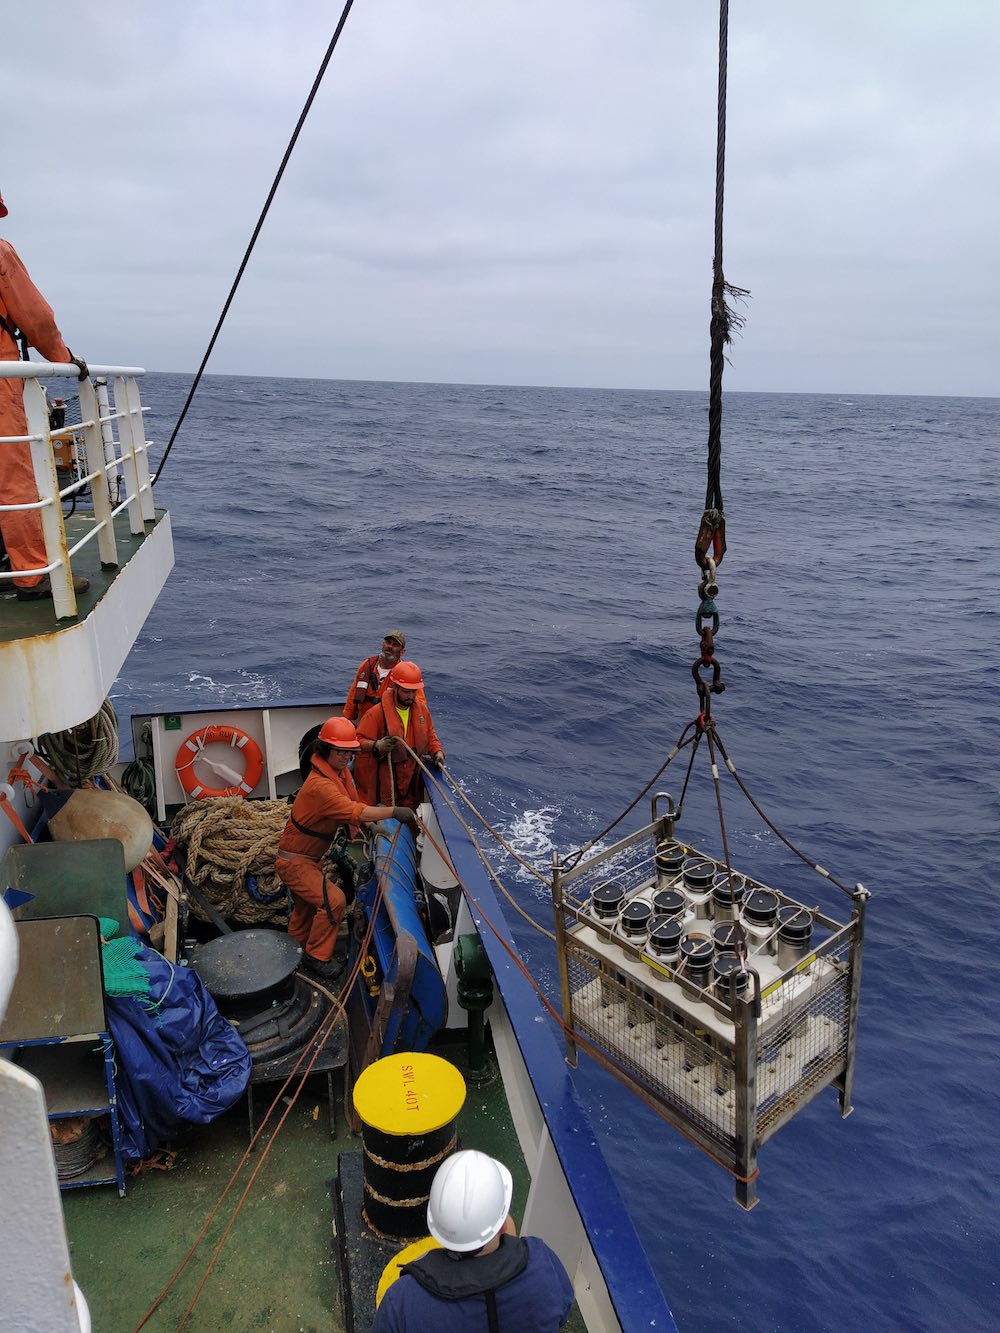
(400, 917)
(178, 1062)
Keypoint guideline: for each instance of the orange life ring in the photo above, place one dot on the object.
(192, 748)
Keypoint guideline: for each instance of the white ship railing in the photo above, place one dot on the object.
(114, 438)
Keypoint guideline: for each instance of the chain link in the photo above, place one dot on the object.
(711, 537)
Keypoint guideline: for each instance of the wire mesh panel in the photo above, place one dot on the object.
(690, 1074)
(724, 1003)
(803, 1047)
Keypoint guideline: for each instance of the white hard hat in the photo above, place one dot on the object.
(469, 1200)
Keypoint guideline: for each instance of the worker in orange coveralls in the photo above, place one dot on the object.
(22, 307)
(326, 803)
(385, 770)
(372, 675)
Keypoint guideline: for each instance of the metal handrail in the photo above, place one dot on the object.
(67, 370)
(106, 455)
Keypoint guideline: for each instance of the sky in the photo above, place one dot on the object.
(517, 192)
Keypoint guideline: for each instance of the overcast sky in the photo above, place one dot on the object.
(515, 192)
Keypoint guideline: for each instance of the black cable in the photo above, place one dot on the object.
(725, 319)
(820, 870)
(572, 861)
(687, 775)
(256, 232)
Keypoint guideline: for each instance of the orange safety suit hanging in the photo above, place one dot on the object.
(326, 803)
(22, 304)
(372, 772)
(368, 685)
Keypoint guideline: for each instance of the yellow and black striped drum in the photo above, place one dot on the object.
(408, 1104)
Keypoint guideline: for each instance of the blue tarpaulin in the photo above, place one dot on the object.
(178, 1062)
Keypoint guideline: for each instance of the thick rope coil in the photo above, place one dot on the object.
(86, 750)
(224, 840)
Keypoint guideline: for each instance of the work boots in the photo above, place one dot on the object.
(328, 972)
(43, 588)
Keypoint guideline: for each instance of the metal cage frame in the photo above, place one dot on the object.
(733, 1077)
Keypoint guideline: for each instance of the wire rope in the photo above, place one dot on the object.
(574, 859)
(536, 925)
(256, 232)
(813, 865)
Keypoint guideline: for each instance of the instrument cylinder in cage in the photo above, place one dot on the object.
(669, 902)
(699, 877)
(612, 986)
(638, 1004)
(697, 952)
(795, 926)
(760, 919)
(727, 895)
(634, 920)
(664, 941)
(731, 980)
(669, 861)
(408, 1104)
(725, 937)
(606, 902)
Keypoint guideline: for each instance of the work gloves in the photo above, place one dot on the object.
(405, 816)
(382, 747)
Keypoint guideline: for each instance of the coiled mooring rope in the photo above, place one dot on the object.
(226, 839)
(86, 750)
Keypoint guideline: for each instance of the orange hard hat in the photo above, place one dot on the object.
(407, 676)
(340, 733)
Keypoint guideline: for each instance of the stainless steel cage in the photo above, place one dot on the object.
(729, 1072)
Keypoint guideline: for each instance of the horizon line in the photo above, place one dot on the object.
(578, 388)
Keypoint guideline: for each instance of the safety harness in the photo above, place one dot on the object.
(20, 340)
(338, 854)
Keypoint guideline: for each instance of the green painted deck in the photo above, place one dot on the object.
(25, 620)
(278, 1270)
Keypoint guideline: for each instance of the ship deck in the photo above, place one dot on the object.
(26, 620)
(278, 1271)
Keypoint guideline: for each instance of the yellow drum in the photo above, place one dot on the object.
(408, 1104)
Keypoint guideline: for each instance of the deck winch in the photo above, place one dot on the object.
(724, 1002)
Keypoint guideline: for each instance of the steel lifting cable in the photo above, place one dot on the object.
(710, 544)
(494, 833)
(479, 851)
(256, 232)
(315, 1045)
(813, 865)
(574, 859)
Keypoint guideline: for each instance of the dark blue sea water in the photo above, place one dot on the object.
(536, 545)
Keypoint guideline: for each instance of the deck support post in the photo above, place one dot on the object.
(846, 1081)
(745, 1071)
(560, 922)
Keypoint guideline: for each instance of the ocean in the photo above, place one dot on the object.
(536, 545)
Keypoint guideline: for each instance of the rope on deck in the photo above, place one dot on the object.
(86, 750)
(226, 839)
